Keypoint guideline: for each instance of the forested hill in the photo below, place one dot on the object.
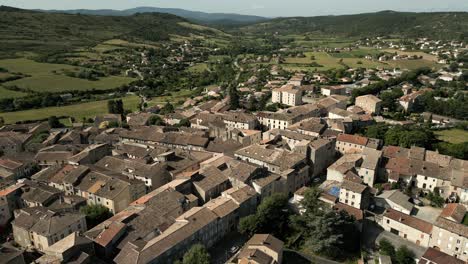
(25, 30)
(196, 16)
(445, 25)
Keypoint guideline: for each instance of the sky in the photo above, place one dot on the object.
(268, 8)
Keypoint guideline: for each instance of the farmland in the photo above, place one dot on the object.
(454, 136)
(78, 111)
(48, 77)
(352, 59)
(5, 93)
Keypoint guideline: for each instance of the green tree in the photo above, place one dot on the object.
(196, 255)
(271, 217)
(332, 234)
(248, 225)
(111, 107)
(435, 198)
(54, 122)
(234, 98)
(168, 108)
(119, 107)
(155, 120)
(95, 214)
(377, 131)
(185, 123)
(404, 256)
(326, 232)
(386, 248)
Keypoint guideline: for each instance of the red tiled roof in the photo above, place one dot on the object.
(10, 189)
(109, 233)
(410, 221)
(454, 211)
(437, 257)
(354, 139)
(358, 214)
(9, 164)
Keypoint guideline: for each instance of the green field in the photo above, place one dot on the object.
(43, 78)
(78, 111)
(5, 93)
(199, 67)
(413, 64)
(454, 136)
(353, 59)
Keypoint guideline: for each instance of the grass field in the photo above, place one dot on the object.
(5, 93)
(199, 67)
(413, 64)
(77, 111)
(454, 136)
(43, 78)
(174, 98)
(353, 59)
(424, 55)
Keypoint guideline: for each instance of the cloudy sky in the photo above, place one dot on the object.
(270, 8)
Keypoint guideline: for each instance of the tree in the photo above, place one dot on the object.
(196, 255)
(119, 107)
(184, 123)
(386, 248)
(435, 198)
(54, 122)
(234, 98)
(404, 256)
(111, 107)
(248, 225)
(155, 120)
(252, 104)
(2, 121)
(95, 214)
(271, 217)
(332, 234)
(167, 109)
(326, 232)
(377, 131)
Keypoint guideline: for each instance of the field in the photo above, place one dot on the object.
(199, 67)
(47, 77)
(424, 55)
(353, 59)
(5, 93)
(174, 98)
(77, 111)
(454, 136)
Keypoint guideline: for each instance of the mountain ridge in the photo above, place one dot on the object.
(196, 16)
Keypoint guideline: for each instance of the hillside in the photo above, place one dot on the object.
(448, 25)
(195, 16)
(32, 31)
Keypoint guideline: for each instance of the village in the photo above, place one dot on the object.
(172, 177)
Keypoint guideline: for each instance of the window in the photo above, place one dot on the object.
(388, 221)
